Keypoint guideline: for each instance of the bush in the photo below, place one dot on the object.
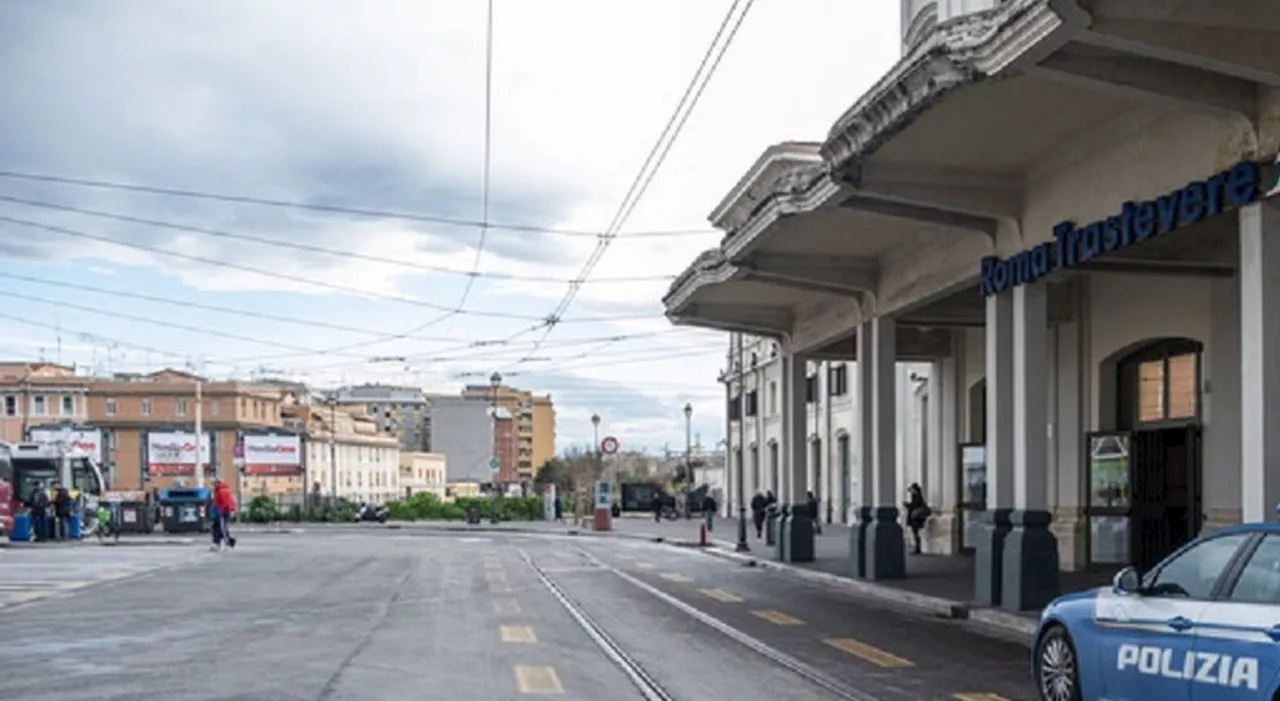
(262, 509)
(426, 506)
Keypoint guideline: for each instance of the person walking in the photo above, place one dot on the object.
(61, 511)
(811, 500)
(39, 506)
(757, 513)
(918, 512)
(224, 505)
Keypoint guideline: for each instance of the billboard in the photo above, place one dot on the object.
(174, 453)
(86, 438)
(272, 454)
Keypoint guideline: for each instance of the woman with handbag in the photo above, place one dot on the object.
(918, 512)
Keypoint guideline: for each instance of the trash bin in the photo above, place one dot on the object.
(21, 532)
(74, 526)
(185, 509)
(134, 517)
(473, 515)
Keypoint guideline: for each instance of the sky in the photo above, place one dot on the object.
(373, 115)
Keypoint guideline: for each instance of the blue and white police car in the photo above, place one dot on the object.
(1203, 625)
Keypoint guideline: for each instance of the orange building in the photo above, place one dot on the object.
(35, 393)
(535, 424)
(159, 409)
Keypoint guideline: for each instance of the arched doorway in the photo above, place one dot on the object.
(756, 484)
(1144, 479)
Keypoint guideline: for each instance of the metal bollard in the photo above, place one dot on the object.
(770, 527)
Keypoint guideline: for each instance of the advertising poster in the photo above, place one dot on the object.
(272, 455)
(174, 453)
(85, 438)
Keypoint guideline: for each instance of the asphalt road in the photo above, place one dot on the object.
(399, 616)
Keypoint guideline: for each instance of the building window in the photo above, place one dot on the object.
(773, 398)
(811, 389)
(215, 407)
(1160, 383)
(752, 407)
(838, 380)
(68, 405)
(37, 405)
(735, 408)
(110, 407)
(180, 406)
(145, 406)
(10, 405)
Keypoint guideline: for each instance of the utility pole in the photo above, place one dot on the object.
(333, 452)
(200, 435)
(742, 545)
(26, 402)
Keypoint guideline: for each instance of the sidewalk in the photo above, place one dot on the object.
(938, 584)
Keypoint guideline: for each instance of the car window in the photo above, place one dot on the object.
(1259, 581)
(1193, 572)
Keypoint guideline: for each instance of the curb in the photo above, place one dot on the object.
(1007, 625)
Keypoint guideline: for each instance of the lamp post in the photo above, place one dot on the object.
(333, 451)
(495, 463)
(742, 546)
(688, 455)
(597, 465)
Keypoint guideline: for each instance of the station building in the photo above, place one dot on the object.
(1063, 209)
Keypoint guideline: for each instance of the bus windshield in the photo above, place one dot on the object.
(28, 471)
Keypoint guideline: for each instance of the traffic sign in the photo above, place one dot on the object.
(609, 445)
(494, 464)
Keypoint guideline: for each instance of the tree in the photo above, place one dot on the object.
(557, 472)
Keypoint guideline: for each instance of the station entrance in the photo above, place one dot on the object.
(1145, 479)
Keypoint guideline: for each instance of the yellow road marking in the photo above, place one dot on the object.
(506, 607)
(722, 595)
(779, 618)
(75, 585)
(979, 697)
(538, 680)
(870, 653)
(115, 575)
(645, 565)
(32, 595)
(675, 577)
(517, 634)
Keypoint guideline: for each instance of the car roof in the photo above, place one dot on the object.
(1255, 527)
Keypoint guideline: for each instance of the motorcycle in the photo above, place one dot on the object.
(369, 512)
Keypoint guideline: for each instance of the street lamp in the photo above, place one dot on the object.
(688, 452)
(495, 466)
(332, 402)
(597, 460)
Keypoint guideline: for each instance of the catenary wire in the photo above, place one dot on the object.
(488, 161)
(657, 156)
(312, 248)
(332, 209)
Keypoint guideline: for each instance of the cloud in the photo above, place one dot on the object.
(343, 105)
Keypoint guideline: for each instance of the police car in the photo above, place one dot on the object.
(1203, 625)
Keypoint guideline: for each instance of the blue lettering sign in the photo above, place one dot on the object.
(1136, 222)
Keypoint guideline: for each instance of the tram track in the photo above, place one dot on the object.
(646, 683)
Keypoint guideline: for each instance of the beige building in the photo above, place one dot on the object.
(35, 393)
(422, 472)
(143, 416)
(346, 455)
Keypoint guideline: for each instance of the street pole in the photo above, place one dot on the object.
(199, 468)
(742, 545)
(333, 453)
(26, 403)
(688, 457)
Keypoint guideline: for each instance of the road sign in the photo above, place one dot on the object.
(609, 445)
(494, 464)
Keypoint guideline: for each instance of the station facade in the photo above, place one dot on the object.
(1064, 211)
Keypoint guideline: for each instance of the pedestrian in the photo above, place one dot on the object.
(709, 510)
(38, 503)
(61, 510)
(223, 506)
(558, 503)
(918, 512)
(656, 505)
(812, 501)
(757, 513)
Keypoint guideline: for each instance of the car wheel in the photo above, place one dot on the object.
(1057, 669)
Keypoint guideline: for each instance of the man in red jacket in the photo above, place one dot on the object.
(223, 506)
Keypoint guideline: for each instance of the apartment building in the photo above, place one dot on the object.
(149, 421)
(347, 455)
(35, 393)
(535, 421)
(403, 412)
(422, 472)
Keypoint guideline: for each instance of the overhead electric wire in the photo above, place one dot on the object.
(312, 248)
(657, 155)
(488, 161)
(85, 335)
(334, 209)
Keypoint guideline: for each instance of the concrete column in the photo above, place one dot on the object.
(989, 559)
(863, 458)
(795, 527)
(934, 471)
(1030, 550)
(1220, 455)
(1260, 360)
(885, 552)
(945, 410)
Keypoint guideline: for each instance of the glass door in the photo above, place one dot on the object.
(1109, 459)
(973, 492)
